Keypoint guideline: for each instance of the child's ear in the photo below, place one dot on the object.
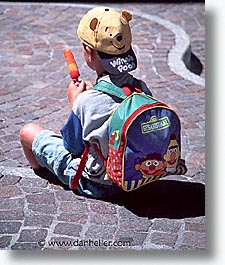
(127, 15)
(88, 50)
(93, 23)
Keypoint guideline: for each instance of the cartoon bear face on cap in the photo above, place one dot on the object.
(107, 30)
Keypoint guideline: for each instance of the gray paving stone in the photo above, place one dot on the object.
(9, 191)
(75, 218)
(33, 183)
(164, 238)
(166, 225)
(11, 204)
(9, 180)
(47, 198)
(38, 221)
(11, 227)
(5, 241)
(12, 215)
(102, 207)
(104, 219)
(68, 229)
(100, 232)
(63, 196)
(72, 207)
(194, 239)
(42, 209)
(32, 235)
(134, 223)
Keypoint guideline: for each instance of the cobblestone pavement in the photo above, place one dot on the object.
(36, 212)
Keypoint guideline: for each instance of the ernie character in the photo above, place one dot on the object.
(172, 155)
(151, 165)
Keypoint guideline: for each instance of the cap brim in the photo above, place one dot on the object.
(119, 64)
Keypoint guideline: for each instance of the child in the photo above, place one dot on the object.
(106, 39)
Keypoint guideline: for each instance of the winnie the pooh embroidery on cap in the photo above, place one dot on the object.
(106, 30)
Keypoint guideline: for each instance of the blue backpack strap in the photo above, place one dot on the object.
(110, 89)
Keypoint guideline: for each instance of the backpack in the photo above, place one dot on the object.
(144, 140)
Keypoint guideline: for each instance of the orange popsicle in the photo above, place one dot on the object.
(71, 64)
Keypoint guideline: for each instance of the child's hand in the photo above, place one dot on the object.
(74, 89)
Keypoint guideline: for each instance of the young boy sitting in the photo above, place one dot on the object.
(106, 39)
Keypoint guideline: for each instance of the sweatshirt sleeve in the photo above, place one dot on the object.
(72, 135)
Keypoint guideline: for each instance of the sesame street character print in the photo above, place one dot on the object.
(151, 166)
(172, 155)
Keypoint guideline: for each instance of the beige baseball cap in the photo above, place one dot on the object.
(108, 31)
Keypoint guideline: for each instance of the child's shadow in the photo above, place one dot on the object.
(160, 199)
(166, 199)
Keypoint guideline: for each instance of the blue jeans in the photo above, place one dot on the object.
(50, 153)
